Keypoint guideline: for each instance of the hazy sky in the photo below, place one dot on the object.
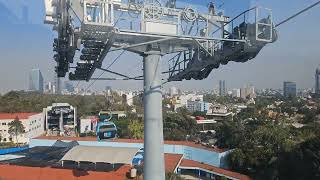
(26, 43)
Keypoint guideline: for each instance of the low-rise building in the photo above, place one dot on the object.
(60, 119)
(218, 112)
(33, 126)
(198, 106)
(115, 114)
(182, 100)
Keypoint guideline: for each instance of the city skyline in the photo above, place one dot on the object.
(284, 60)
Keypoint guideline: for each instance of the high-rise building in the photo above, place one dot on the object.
(173, 91)
(289, 89)
(57, 85)
(236, 93)
(317, 85)
(48, 88)
(35, 80)
(222, 88)
(248, 92)
(108, 90)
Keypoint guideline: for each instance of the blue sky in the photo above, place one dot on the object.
(26, 43)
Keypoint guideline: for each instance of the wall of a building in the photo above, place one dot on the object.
(196, 154)
(85, 125)
(34, 127)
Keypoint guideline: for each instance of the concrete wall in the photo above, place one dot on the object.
(85, 124)
(34, 127)
(196, 154)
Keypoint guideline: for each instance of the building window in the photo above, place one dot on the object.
(4, 139)
(10, 139)
(4, 124)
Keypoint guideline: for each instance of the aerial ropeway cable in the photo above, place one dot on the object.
(117, 58)
(298, 13)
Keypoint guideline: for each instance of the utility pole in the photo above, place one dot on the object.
(153, 124)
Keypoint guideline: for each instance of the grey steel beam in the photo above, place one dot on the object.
(142, 44)
(155, 35)
(153, 124)
(203, 48)
(116, 79)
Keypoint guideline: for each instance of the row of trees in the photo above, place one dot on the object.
(272, 149)
(34, 102)
(131, 127)
(180, 123)
(267, 148)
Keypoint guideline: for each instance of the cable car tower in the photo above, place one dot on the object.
(198, 41)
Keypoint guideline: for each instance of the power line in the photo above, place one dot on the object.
(298, 13)
(106, 68)
(77, 84)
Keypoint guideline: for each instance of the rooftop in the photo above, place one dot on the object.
(34, 172)
(184, 143)
(21, 115)
(39, 161)
(195, 164)
(48, 173)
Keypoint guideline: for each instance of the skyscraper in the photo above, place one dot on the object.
(289, 89)
(317, 85)
(57, 85)
(222, 88)
(248, 92)
(236, 93)
(36, 80)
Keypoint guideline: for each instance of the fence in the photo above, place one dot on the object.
(13, 150)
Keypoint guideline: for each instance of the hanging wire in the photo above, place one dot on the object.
(77, 84)
(298, 13)
(106, 68)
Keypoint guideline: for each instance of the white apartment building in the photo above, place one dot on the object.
(198, 106)
(182, 100)
(236, 93)
(33, 125)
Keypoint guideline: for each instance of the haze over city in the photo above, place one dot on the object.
(160, 89)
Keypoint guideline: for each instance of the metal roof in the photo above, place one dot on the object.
(94, 154)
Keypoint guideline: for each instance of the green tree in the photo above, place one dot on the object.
(301, 163)
(16, 128)
(136, 129)
(122, 127)
(237, 160)
(180, 123)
